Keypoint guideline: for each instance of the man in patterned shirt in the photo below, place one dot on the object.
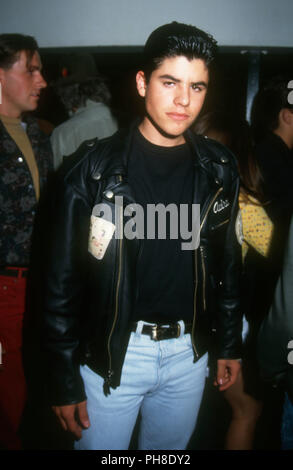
(25, 159)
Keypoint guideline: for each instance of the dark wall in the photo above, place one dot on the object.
(228, 85)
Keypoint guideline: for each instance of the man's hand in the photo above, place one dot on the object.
(73, 418)
(227, 373)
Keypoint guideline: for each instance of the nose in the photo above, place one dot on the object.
(41, 81)
(183, 96)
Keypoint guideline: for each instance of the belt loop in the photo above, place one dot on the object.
(182, 328)
(139, 327)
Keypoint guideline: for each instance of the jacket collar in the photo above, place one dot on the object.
(125, 137)
(205, 152)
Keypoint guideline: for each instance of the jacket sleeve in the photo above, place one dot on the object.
(66, 249)
(275, 340)
(229, 318)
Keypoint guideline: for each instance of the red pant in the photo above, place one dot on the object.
(12, 380)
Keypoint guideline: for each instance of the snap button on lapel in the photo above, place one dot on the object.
(218, 181)
(109, 194)
(20, 159)
(224, 159)
(97, 176)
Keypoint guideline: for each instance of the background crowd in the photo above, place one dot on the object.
(81, 103)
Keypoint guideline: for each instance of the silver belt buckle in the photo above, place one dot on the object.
(155, 336)
(154, 333)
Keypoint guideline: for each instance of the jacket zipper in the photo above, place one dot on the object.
(110, 372)
(196, 275)
(204, 279)
(194, 303)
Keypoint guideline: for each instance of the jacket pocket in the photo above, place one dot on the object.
(220, 224)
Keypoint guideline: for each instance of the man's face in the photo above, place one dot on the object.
(174, 97)
(21, 85)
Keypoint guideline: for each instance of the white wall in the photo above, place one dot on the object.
(57, 23)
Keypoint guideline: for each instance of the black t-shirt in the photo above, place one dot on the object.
(165, 272)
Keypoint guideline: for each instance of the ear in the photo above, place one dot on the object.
(287, 116)
(141, 83)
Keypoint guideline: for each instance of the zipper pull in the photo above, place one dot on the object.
(107, 382)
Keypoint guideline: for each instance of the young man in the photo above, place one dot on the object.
(25, 158)
(128, 314)
(272, 122)
(275, 343)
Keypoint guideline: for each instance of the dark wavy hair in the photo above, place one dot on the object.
(268, 102)
(74, 95)
(12, 44)
(176, 39)
(236, 134)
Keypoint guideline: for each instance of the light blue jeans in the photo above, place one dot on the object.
(159, 379)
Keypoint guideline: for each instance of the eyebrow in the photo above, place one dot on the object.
(35, 67)
(30, 66)
(176, 80)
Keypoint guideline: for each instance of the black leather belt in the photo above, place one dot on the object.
(161, 332)
(14, 272)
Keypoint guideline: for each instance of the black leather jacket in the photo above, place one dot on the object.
(89, 302)
(275, 339)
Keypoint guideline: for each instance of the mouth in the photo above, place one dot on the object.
(178, 116)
